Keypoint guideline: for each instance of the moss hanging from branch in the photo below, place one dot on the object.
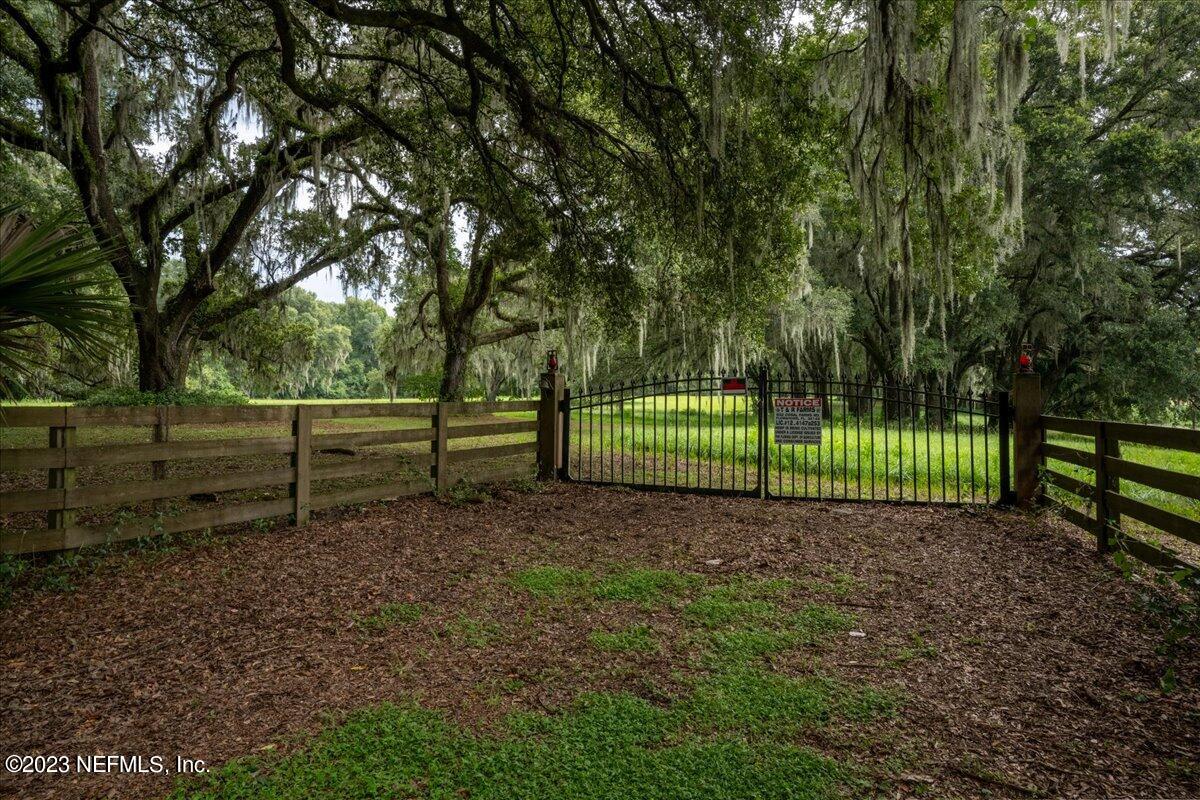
(927, 140)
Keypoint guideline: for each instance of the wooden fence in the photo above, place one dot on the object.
(1101, 477)
(63, 500)
(1105, 506)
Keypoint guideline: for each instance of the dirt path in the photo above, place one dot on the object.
(1025, 663)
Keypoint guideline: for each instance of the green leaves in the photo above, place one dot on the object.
(52, 274)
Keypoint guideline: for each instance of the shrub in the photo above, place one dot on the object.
(128, 396)
(421, 385)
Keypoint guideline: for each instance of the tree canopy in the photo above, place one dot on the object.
(899, 190)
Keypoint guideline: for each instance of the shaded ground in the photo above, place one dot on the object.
(1021, 665)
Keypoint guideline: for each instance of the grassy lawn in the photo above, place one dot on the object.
(733, 731)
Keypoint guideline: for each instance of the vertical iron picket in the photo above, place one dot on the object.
(732, 420)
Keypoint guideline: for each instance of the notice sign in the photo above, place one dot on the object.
(733, 385)
(797, 420)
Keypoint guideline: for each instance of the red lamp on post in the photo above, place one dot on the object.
(551, 361)
(1025, 360)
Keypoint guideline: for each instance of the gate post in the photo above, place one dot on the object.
(764, 452)
(549, 419)
(564, 422)
(1005, 420)
(1027, 436)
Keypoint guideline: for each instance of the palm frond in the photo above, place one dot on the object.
(52, 273)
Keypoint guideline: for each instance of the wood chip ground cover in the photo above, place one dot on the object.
(598, 643)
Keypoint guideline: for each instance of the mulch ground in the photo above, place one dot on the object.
(1037, 671)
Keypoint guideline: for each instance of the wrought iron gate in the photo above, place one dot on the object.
(715, 434)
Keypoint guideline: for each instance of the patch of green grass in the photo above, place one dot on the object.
(751, 701)
(464, 493)
(645, 586)
(715, 611)
(747, 644)
(638, 638)
(605, 746)
(551, 581)
(388, 615)
(815, 622)
(473, 632)
(740, 601)
(918, 649)
(526, 486)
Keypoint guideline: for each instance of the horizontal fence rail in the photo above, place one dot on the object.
(311, 461)
(1130, 506)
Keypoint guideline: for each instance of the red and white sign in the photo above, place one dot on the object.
(798, 420)
(733, 385)
(797, 402)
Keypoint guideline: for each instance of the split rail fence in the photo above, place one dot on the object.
(1085, 466)
(233, 465)
(1106, 510)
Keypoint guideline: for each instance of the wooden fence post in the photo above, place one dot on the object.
(61, 478)
(159, 434)
(439, 470)
(1105, 482)
(301, 458)
(550, 425)
(1027, 436)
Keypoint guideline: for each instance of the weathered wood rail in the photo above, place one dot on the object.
(1105, 505)
(63, 500)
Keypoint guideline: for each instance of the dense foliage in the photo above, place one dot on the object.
(118, 396)
(897, 190)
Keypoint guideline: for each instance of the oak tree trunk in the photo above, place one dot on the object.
(162, 364)
(454, 366)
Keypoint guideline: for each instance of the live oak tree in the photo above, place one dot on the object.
(180, 142)
(1107, 282)
(186, 127)
(1106, 251)
(473, 254)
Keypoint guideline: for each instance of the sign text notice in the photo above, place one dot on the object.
(797, 420)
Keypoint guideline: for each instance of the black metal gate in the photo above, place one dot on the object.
(716, 434)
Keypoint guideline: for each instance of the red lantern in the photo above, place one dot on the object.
(1025, 360)
(551, 361)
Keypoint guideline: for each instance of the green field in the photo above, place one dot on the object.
(711, 442)
(675, 439)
